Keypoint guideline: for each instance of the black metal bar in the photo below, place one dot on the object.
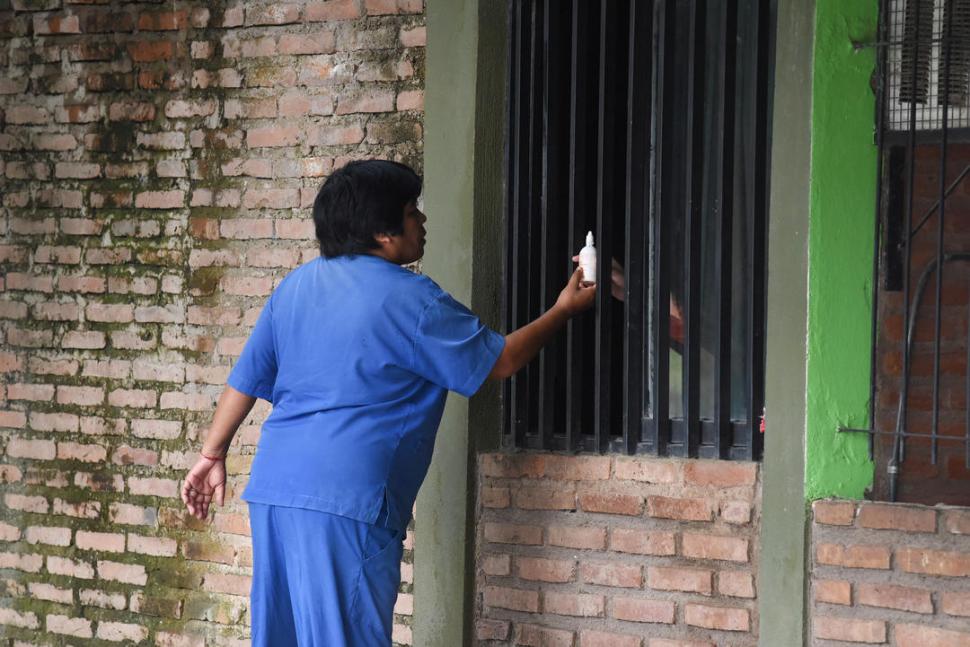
(555, 237)
(520, 204)
(881, 35)
(899, 446)
(580, 170)
(723, 215)
(877, 432)
(637, 191)
(694, 186)
(511, 77)
(967, 401)
(536, 231)
(938, 306)
(660, 150)
(604, 185)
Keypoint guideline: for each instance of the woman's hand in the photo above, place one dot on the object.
(575, 297)
(617, 279)
(204, 482)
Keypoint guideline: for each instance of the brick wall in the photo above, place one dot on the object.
(890, 574)
(157, 162)
(920, 480)
(597, 551)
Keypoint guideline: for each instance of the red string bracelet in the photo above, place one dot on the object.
(212, 458)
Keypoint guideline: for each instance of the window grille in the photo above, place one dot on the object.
(646, 122)
(921, 433)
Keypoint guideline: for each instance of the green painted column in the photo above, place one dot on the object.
(441, 566)
(781, 571)
(840, 281)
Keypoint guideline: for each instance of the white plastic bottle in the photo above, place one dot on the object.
(587, 260)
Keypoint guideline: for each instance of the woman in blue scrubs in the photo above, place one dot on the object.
(357, 355)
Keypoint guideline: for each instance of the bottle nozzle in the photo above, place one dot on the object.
(589, 238)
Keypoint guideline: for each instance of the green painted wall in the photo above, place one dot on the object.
(843, 195)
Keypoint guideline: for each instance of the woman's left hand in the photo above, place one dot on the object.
(204, 482)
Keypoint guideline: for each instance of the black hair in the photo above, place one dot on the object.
(360, 200)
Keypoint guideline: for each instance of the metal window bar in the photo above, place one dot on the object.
(927, 43)
(646, 122)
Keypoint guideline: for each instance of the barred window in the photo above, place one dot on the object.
(648, 124)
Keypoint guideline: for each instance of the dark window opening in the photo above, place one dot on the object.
(921, 433)
(646, 123)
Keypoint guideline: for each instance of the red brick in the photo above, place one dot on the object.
(909, 635)
(700, 546)
(721, 474)
(933, 562)
(414, 37)
(665, 642)
(527, 635)
(611, 503)
(957, 522)
(273, 136)
(544, 498)
(874, 557)
(611, 574)
(332, 10)
(65, 625)
(109, 542)
(79, 452)
(834, 513)
(81, 395)
(322, 42)
(492, 497)
(573, 604)
(121, 631)
(692, 580)
(649, 470)
(500, 465)
(118, 572)
(91, 597)
(26, 503)
(82, 284)
(833, 592)
(500, 565)
(79, 510)
(111, 368)
(23, 114)
(160, 200)
(69, 567)
(66, 422)
(145, 51)
(956, 603)
(683, 509)
(113, 313)
(267, 199)
(163, 21)
(721, 618)
(33, 392)
(131, 111)
(897, 517)
(582, 537)
(643, 610)
(545, 570)
(850, 630)
(486, 629)
(889, 596)
(508, 598)
(83, 339)
(126, 455)
(47, 535)
(42, 450)
(153, 487)
(510, 533)
(635, 540)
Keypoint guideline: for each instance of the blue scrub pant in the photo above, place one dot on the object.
(321, 580)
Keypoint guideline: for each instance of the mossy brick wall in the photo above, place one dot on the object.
(616, 551)
(158, 162)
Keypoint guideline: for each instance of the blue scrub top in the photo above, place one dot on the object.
(357, 355)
